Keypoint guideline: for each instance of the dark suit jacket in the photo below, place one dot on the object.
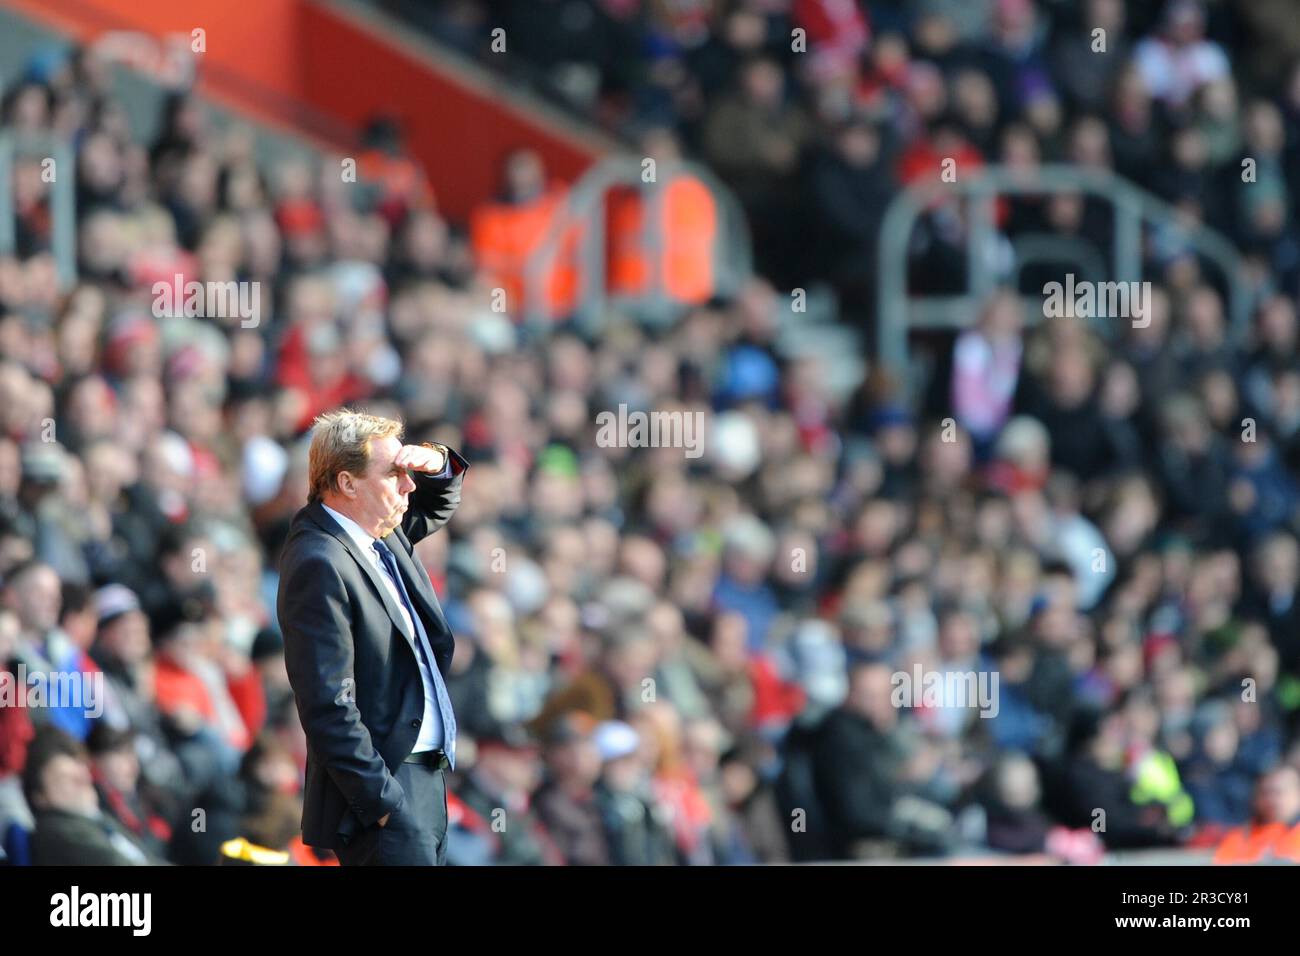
(354, 671)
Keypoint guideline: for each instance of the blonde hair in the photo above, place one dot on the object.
(340, 441)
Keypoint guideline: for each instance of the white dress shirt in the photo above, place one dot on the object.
(431, 730)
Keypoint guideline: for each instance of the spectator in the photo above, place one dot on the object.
(566, 802)
(759, 831)
(864, 762)
(1099, 789)
(499, 787)
(1179, 60)
(33, 592)
(634, 824)
(848, 185)
(1217, 783)
(71, 829)
(986, 370)
(1273, 832)
(1015, 824)
(139, 811)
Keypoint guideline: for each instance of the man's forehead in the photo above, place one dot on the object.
(384, 450)
(39, 575)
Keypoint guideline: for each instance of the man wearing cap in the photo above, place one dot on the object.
(124, 653)
(367, 646)
(121, 643)
(637, 835)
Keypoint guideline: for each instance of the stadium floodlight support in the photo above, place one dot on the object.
(585, 208)
(897, 315)
(63, 198)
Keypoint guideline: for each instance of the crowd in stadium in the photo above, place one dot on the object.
(666, 660)
(816, 111)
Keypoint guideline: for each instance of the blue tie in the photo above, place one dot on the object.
(389, 561)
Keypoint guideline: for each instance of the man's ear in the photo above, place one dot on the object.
(346, 484)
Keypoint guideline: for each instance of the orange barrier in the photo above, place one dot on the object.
(1254, 843)
(504, 237)
(688, 229)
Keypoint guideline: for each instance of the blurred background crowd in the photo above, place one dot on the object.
(664, 660)
(815, 133)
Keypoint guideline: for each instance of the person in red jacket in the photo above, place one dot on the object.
(196, 689)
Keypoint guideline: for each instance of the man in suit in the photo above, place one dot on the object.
(366, 644)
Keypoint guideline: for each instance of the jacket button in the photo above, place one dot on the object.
(416, 722)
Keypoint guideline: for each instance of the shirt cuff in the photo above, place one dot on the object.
(446, 465)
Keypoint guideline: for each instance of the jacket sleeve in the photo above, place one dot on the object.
(318, 654)
(435, 498)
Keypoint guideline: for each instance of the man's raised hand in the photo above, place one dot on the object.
(429, 459)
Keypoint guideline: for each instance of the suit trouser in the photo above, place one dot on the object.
(416, 835)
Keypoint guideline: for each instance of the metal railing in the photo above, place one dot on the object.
(63, 198)
(585, 207)
(897, 314)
